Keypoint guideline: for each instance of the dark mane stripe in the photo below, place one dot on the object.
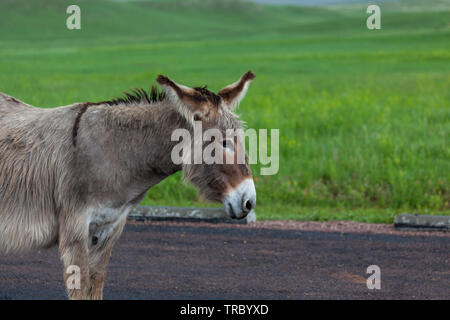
(138, 95)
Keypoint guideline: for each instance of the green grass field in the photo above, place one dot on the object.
(364, 116)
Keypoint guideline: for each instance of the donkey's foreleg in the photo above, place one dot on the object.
(73, 247)
(76, 270)
(99, 253)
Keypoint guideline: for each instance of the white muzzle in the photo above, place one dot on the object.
(240, 201)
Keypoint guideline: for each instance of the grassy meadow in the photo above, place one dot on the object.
(364, 115)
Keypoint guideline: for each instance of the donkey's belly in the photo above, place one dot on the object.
(25, 231)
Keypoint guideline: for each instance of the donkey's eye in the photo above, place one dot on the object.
(228, 144)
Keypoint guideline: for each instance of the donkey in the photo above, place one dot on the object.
(70, 175)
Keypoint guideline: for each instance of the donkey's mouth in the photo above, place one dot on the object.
(240, 201)
(231, 211)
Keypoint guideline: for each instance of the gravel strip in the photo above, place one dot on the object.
(329, 226)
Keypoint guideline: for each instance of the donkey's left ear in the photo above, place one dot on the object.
(234, 93)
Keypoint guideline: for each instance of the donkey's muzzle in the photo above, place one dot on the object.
(240, 201)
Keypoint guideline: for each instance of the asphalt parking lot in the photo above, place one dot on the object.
(204, 261)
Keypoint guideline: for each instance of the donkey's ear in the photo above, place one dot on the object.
(190, 103)
(234, 93)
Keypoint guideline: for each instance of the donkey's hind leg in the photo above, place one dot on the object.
(98, 262)
(99, 253)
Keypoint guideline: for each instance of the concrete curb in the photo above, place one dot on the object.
(422, 222)
(146, 213)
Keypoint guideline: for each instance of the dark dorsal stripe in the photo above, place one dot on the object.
(81, 111)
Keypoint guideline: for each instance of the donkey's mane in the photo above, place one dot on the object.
(211, 96)
(135, 97)
(138, 95)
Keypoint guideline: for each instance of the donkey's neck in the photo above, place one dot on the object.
(133, 143)
(146, 132)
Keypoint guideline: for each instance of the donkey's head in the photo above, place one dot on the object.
(228, 177)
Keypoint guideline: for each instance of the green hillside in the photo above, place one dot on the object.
(364, 115)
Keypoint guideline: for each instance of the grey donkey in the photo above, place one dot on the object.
(70, 175)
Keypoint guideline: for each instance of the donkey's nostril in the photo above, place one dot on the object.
(248, 206)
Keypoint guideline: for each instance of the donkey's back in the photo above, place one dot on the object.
(10, 105)
(33, 154)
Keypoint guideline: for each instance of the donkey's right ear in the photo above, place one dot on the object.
(233, 94)
(189, 103)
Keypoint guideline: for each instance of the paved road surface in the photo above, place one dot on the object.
(170, 261)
